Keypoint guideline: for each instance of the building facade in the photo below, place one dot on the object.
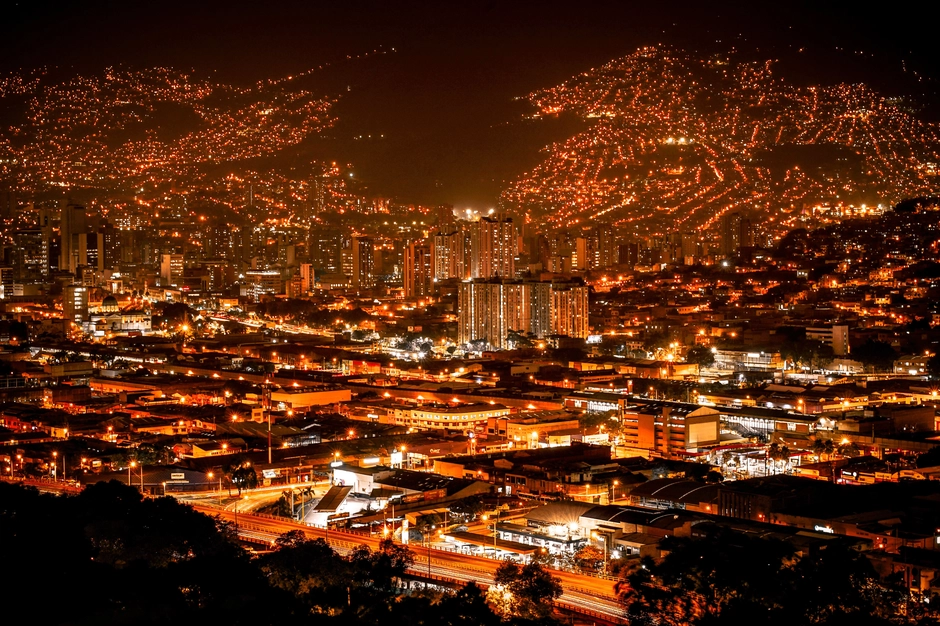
(669, 430)
(417, 270)
(493, 247)
(498, 311)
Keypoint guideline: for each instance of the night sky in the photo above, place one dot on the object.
(444, 99)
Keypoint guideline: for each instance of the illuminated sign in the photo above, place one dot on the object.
(824, 529)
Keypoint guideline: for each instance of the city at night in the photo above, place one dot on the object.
(474, 313)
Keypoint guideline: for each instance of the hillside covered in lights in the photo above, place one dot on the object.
(129, 140)
(675, 141)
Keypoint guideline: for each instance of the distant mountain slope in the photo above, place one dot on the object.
(676, 141)
(126, 129)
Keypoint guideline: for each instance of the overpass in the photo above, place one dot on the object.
(589, 596)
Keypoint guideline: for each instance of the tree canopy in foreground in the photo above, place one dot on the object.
(109, 556)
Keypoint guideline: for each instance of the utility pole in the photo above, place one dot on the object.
(429, 555)
(266, 394)
(495, 522)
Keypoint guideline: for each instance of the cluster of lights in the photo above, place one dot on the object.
(655, 161)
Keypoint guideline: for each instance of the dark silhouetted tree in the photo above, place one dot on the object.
(525, 591)
(876, 355)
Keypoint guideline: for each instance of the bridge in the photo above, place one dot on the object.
(589, 596)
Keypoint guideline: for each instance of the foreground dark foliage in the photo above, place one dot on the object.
(732, 578)
(108, 556)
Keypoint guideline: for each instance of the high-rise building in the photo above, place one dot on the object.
(31, 255)
(108, 247)
(217, 242)
(6, 282)
(73, 228)
(307, 278)
(91, 251)
(450, 252)
(363, 263)
(836, 337)
(171, 268)
(388, 257)
(488, 310)
(491, 310)
(261, 282)
(486, 248)
(324, 246)
(494, 246)
(569, 310)
(737, 231)
(689, 247)
(218, 273)
(130, 246)
(605, 251)
(75, 303)
(595, 249)
(628, 253)
(242, 248)
(417, 270)
(583, 257)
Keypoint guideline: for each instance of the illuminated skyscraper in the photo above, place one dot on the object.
(363, 263)
(171, 268)
(417, 270)
(450, 252)
(72, 228)
(218, 241)
(325, 249)
(583, 258)
(31, 255)
(493, 247)
(737, 231)
(569, 310)
(6, 282)
(307, 277)
(489, 310)
(75, 303)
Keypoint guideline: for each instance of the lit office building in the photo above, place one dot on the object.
(363, 263)
(493, 247)
(495, 310)
(570, 310)
(417, 270)
(75, 303)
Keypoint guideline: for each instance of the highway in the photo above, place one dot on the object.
(253, 499)
(583, 594)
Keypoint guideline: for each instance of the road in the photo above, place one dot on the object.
(254, 499)
(583, 594)
(586, 595)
